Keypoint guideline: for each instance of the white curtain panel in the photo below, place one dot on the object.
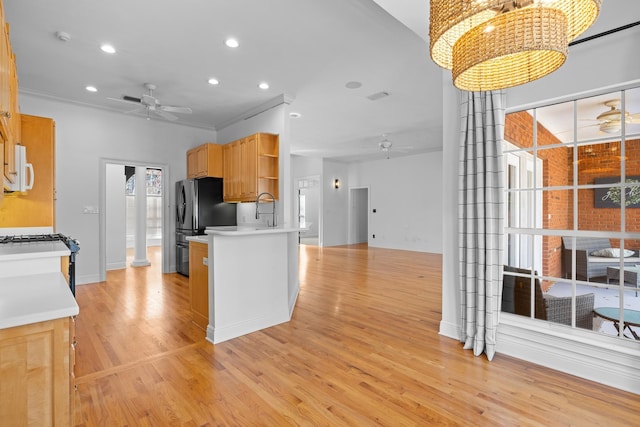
(481, 218)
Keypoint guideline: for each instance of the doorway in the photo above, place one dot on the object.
(523, 209)
(116, 213)
(309, 210)
(358, 215)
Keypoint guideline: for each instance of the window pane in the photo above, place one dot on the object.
(595, 215)
(555, 124)
(598, 160)
(518, 129)
(518, 295)
(599, 116)
(632, 115)
(557, 209)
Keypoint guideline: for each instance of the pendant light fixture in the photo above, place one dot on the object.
(496, 44)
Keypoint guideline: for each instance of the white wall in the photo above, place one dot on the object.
(406, 193)
(595, 64)
(116, 243)
(86, 135)
(449, 324)
(335, 204)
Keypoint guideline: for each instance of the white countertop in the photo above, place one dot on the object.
(199, 239)
(244, 230)
(35, 298)
(31, 250)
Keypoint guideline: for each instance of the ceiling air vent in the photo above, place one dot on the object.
(379, 95)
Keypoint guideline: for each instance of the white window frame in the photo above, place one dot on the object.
(598, 357)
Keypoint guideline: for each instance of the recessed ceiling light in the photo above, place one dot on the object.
(91, 88)
(213, 81)
(231, 42)
(264, 85)
(353, 85)
(294, 115)
(107, 48)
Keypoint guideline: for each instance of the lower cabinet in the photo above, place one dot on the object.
(199, 283)
(36, 374)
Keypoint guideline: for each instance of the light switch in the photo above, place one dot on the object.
(205, 261)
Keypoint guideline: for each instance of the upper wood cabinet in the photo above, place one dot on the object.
(36, 208)
(9, 113)
(251, 167)
(205, 160)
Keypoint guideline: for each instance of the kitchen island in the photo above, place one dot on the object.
(253, 279)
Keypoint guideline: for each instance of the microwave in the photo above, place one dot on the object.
(25, 176)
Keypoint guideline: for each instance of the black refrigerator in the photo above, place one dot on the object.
(198, 205)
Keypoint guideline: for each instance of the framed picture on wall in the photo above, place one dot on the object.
(611, 197)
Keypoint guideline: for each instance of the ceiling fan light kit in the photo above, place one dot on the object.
(493, 44)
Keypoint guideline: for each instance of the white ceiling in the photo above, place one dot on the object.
(307, 50)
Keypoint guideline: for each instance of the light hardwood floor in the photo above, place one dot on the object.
(362, 349)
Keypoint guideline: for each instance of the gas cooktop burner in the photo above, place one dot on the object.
(33, 238)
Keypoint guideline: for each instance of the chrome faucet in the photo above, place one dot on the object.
(273, 213)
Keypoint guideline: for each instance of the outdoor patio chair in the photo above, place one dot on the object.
(548, 307)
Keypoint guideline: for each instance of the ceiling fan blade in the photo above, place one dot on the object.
(175, 109)
(165, 115)
(135, 110)
(130, 100)
(634, 118)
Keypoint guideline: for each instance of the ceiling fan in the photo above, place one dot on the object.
(149, 104)
(385, 146)
(612, 118)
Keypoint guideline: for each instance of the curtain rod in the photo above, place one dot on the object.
(605, 33)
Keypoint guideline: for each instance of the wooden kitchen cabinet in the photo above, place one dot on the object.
(36, 368)
(199, 283)
(251, 167)
(9, 111)
(205, 161)
(231, 171)
(36, 208)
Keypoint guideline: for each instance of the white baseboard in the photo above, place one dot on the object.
(292, 301)
(116, 265)
(87, 278)
(450, 330)
(219, 334)
(595, 357)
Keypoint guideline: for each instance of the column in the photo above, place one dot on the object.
(140, 257)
